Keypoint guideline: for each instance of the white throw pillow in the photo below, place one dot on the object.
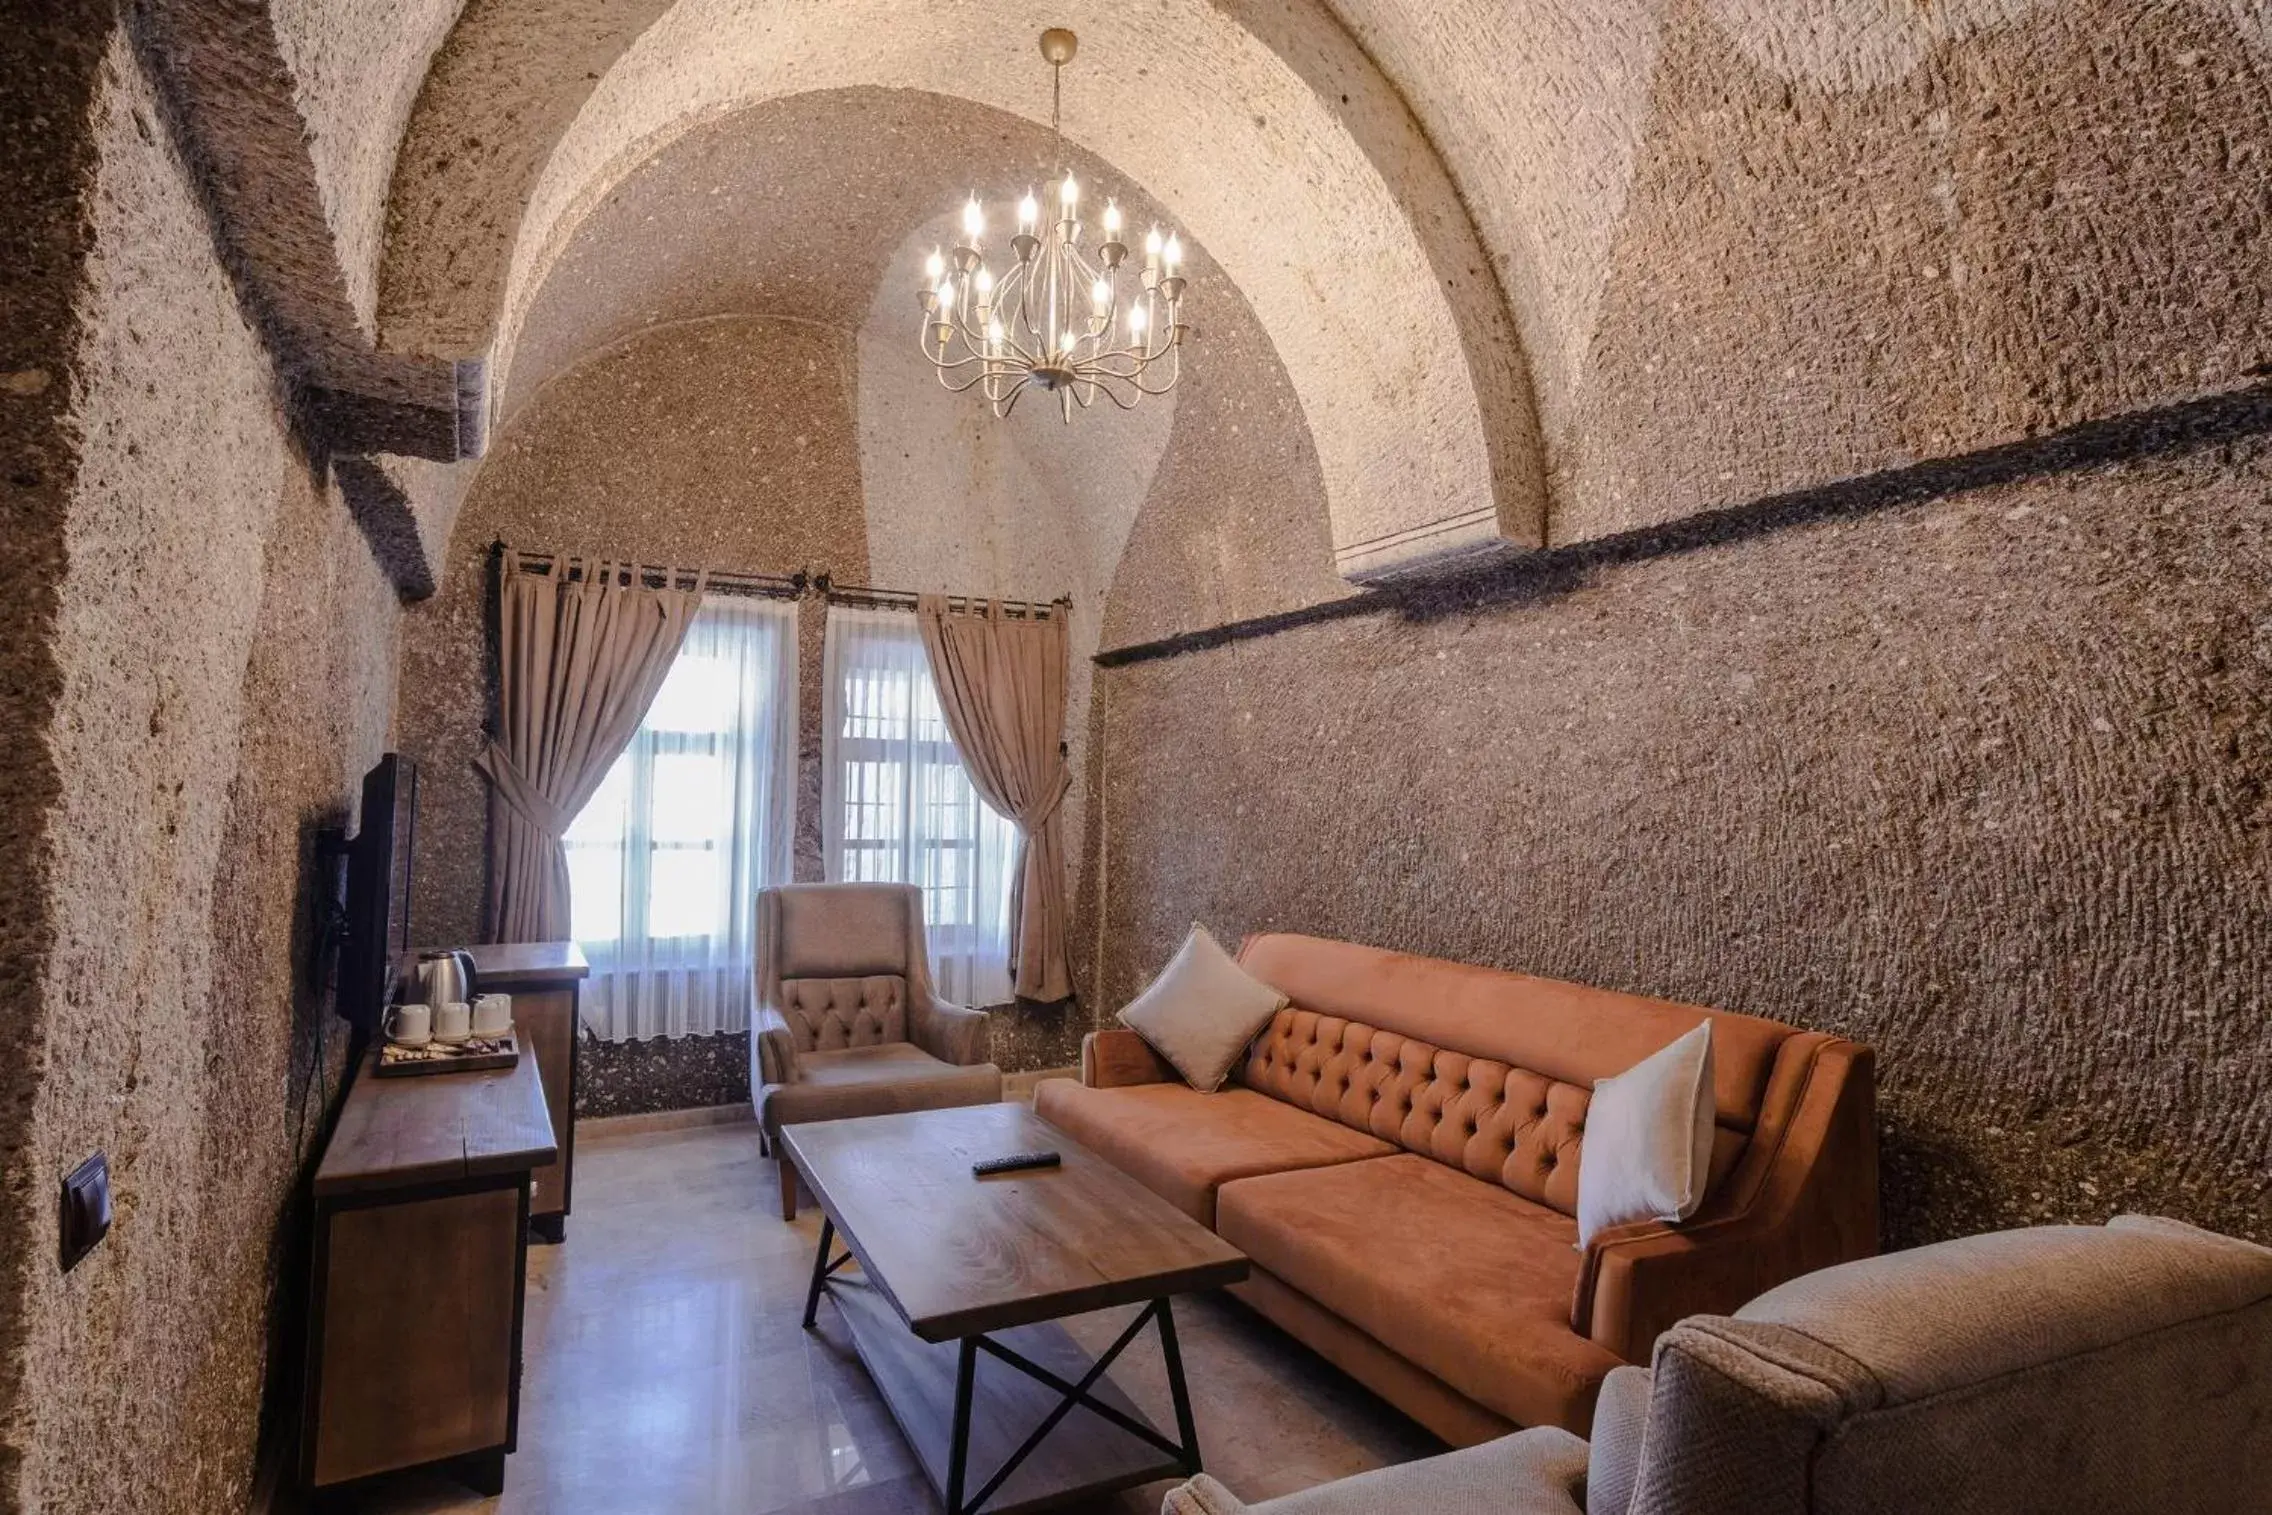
(1201, 1011)
(1648, 1149)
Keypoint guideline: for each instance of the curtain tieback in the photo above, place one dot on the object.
(514, 787)
(1033, 818)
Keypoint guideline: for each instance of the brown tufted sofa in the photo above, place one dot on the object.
(1400, 1155)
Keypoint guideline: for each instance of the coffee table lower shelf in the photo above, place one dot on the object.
(1083, 1454)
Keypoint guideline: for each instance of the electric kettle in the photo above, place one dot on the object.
(439, 978)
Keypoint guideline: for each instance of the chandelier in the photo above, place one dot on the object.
(1057, 316)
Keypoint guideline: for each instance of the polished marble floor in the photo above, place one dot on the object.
(667, 1373)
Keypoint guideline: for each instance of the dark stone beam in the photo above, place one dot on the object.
(231, 94)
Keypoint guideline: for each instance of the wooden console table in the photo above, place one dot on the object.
(544, 978)
(421, 1239)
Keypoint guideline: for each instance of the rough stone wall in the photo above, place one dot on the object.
(1888, 249)
(1981, 781)
(1307, 145)
(224, 644)
(727, 443)
(357, 66)
(50, 73)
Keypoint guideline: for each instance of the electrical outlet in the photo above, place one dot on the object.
(86, 1209)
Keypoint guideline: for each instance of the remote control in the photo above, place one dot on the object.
(1016, 1163)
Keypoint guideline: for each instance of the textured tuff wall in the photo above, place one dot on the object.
(223, 642)
(726, 443)
(1978, 778)
(1849, 258)
(1981, 782)
(1307, 145)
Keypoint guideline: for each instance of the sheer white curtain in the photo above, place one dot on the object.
(665, 863)
(896, 805)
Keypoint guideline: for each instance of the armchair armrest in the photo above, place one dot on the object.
(773, 1047)
(1541, 1471)
(951, 1033)
(1116, 1057)
(1805, 1196)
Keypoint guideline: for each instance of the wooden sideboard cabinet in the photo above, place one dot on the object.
(544, 979)
(421, 1246)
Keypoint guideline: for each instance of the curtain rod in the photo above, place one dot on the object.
(793, 586)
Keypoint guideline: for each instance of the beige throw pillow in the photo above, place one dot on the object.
(1648, 1149)
(1201, 1011)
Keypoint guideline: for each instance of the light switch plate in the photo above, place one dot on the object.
(86, 1209)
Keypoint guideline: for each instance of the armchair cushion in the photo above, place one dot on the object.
(830, 1014)
(1537, 1472)
(881, 1080)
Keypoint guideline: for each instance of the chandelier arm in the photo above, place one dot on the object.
(1011, 404)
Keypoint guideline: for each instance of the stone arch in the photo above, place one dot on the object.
(1319, 196)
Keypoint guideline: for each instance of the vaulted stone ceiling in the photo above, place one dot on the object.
(1429, 203)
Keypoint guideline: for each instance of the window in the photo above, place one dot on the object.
(898, 807)
(696, 816)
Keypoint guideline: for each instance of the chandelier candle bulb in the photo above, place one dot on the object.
(1023, 328)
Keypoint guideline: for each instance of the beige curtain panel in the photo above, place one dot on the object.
(1002, 688)
(579, 663)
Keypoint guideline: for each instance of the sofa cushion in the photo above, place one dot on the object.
(1465, 1280)
(1651, 1152)
(881, 1080)
(1201, 1011)
(1184, 1145)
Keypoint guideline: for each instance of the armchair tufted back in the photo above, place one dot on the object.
(1486, 1071)
(842, 962)
(828, 1014)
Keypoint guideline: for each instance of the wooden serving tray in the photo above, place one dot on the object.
(472, 1056)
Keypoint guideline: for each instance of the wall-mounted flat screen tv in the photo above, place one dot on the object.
(378, 891)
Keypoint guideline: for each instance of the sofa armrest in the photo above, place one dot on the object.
(773, 1048)
(1116, 1057)
(951, 1033)
(1541, 1471)
(1805, 1196)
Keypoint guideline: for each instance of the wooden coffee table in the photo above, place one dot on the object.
(963, 1279)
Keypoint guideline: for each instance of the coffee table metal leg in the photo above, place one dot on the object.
(958, 1450)
(823, 1265)
(1186, 1431)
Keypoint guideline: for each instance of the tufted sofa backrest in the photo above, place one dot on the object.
(1487, 1071)
(829, 1014)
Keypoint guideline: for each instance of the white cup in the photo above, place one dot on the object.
(453, 1022)
(492, 1014)
(409, 1025)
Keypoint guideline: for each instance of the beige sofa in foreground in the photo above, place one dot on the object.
(2064, 1370)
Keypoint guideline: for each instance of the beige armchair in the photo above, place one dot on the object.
(847, 1022)
(2117, 1370)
